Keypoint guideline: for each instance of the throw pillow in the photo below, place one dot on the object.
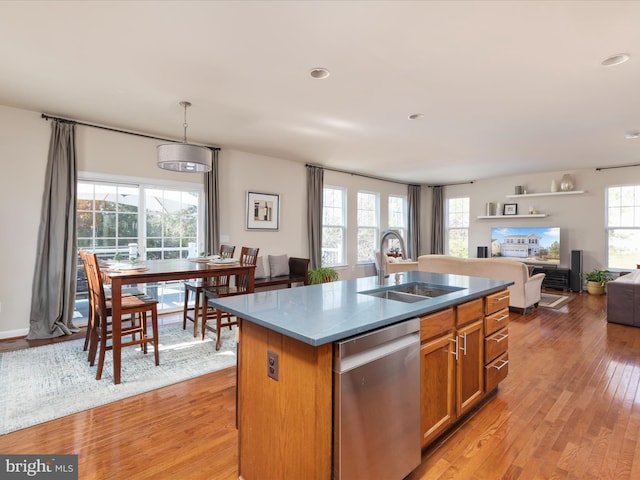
(278, 265)
(260, 272)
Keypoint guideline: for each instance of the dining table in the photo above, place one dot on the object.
(163, 271)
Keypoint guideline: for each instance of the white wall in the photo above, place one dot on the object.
(581, 218)
(24, 142)
(354, 184)
(243, 172)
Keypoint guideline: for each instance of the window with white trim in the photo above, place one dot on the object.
(623, 226)
(162, 222)
(457, 227)
(368, 221)
(398, 219)
(334, 225)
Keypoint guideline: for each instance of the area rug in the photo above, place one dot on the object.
(549, 300)
(44, 383)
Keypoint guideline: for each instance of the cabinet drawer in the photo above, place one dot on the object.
(436, 324)
(470, 311)
(496, 371)
(496, 321)
(496, 344)
(496, 301)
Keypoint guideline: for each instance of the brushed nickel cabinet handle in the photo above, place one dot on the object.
(504, 362)
(500, 338)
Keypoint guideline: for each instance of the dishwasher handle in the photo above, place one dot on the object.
(345, 364)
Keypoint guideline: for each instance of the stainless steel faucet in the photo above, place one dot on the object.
(383, 265)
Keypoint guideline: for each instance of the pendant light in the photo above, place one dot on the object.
(184, 157)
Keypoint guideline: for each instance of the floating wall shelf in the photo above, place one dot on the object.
(506, 217)
(547, 194)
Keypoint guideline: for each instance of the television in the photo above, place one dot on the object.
(536, 245)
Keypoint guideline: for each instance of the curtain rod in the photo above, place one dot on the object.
(360, 174)
(76, 122)
(451, 184)
(617, 166)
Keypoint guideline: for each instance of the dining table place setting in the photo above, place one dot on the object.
(204, 258)
(224, 261)
(124, 267)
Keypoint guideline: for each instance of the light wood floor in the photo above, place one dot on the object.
(570, 408)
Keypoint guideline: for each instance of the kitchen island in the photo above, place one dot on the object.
(285, 360)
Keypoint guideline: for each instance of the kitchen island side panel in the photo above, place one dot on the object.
(284, 425)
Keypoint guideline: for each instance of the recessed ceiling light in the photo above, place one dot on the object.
(632, 134)
(319, 73)
(615, 59)
(416, 116)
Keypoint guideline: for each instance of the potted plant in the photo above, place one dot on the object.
(595, 280)
(322, 275)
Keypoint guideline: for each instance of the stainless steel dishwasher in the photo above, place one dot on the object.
(377, 404)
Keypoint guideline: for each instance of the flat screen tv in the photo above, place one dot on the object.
(537, 245)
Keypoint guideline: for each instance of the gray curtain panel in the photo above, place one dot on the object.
(211, 208)
(413, 225)
(315, 186)
(54, 279)
(437, 225)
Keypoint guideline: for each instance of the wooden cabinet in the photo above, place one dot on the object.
(452, 366)
(464, 355)
(437, 373)
(470, 367)
(496, 340)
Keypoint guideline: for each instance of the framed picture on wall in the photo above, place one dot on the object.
(263, 211)
(510, 208)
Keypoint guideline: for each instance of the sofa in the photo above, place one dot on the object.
(395, 265)
(623, 299)
(524, 293)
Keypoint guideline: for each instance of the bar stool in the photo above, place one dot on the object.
(248, 256)
(196, 287)
(132, 305)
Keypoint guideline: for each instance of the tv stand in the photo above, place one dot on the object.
(555, 278)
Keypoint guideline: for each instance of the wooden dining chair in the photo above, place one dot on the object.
(138, 307)
(248, 256)
(92, 312)
(92, 306)
(195, 286)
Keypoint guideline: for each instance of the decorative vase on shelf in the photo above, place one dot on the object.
(554, 186)
(566, 183)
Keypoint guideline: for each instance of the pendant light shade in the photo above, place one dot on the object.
(184, 157)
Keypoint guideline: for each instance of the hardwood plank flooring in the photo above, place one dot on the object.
(569, 409)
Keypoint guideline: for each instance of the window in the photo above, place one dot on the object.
(367, 220)
(457, 218)
(162, 222)
(107, 217)
(623, 226)
(398, 219)
(333, 226)
(171, 223)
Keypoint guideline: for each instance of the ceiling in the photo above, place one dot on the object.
(505, 87)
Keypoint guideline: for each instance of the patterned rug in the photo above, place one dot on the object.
(44, 383)
(548, 300)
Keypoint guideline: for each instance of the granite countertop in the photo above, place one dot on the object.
(319, 314)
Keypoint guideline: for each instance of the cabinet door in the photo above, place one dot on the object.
(437, 365)
(470, 367)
